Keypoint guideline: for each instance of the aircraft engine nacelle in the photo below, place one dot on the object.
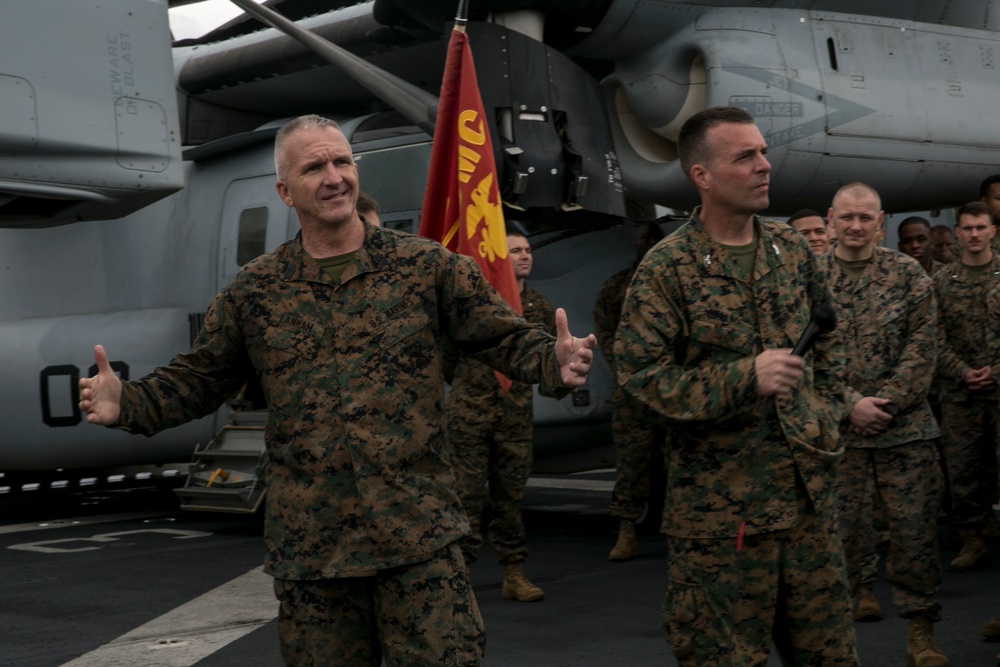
(905, 106)
(552, 138)
(89, 108)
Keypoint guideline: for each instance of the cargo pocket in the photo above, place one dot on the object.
(697, 618)
(678, 616)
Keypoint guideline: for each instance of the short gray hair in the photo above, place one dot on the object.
(307, 122)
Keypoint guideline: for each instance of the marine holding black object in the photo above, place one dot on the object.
(343, 326)
(705, 342)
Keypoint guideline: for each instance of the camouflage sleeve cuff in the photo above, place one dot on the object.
(951, 366)
(957, 374)
(851, 398)
(129, 409)
(727, 389)
(551, 385)
(746, 396)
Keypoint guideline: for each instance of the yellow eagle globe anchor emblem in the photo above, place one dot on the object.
(482, 210)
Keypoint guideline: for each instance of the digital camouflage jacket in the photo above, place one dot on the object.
(888, 322)
(966, 326)
(359, 476)
(608, 310)
(689, 335)
(477, 401)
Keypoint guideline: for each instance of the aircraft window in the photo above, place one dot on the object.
(253, 234)
(395, 177)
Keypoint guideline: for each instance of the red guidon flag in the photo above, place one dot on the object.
(462, 206)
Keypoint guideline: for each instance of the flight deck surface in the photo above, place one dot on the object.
(128, 579)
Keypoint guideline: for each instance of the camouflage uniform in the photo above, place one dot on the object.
(359, 477)
(632, 430)
(933, 394)
(490, 434)
(969, 419)
(686, 348)
(888, 321)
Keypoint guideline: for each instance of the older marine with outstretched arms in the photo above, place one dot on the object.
(343, 327)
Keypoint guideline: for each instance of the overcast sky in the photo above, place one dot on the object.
(197, 19)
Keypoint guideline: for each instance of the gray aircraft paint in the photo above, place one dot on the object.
(92, 143)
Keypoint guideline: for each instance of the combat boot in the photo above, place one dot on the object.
(517, 587)
(625, 547)
(921, 647)
(972, 554)
(992, 628)
(868, 608)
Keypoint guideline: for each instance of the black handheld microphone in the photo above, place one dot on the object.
(821, 320)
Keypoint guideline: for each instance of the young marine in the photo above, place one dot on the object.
(967, 362)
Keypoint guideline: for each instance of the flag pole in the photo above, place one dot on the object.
(462, 207)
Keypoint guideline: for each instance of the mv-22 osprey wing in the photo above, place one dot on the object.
(136, 175)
